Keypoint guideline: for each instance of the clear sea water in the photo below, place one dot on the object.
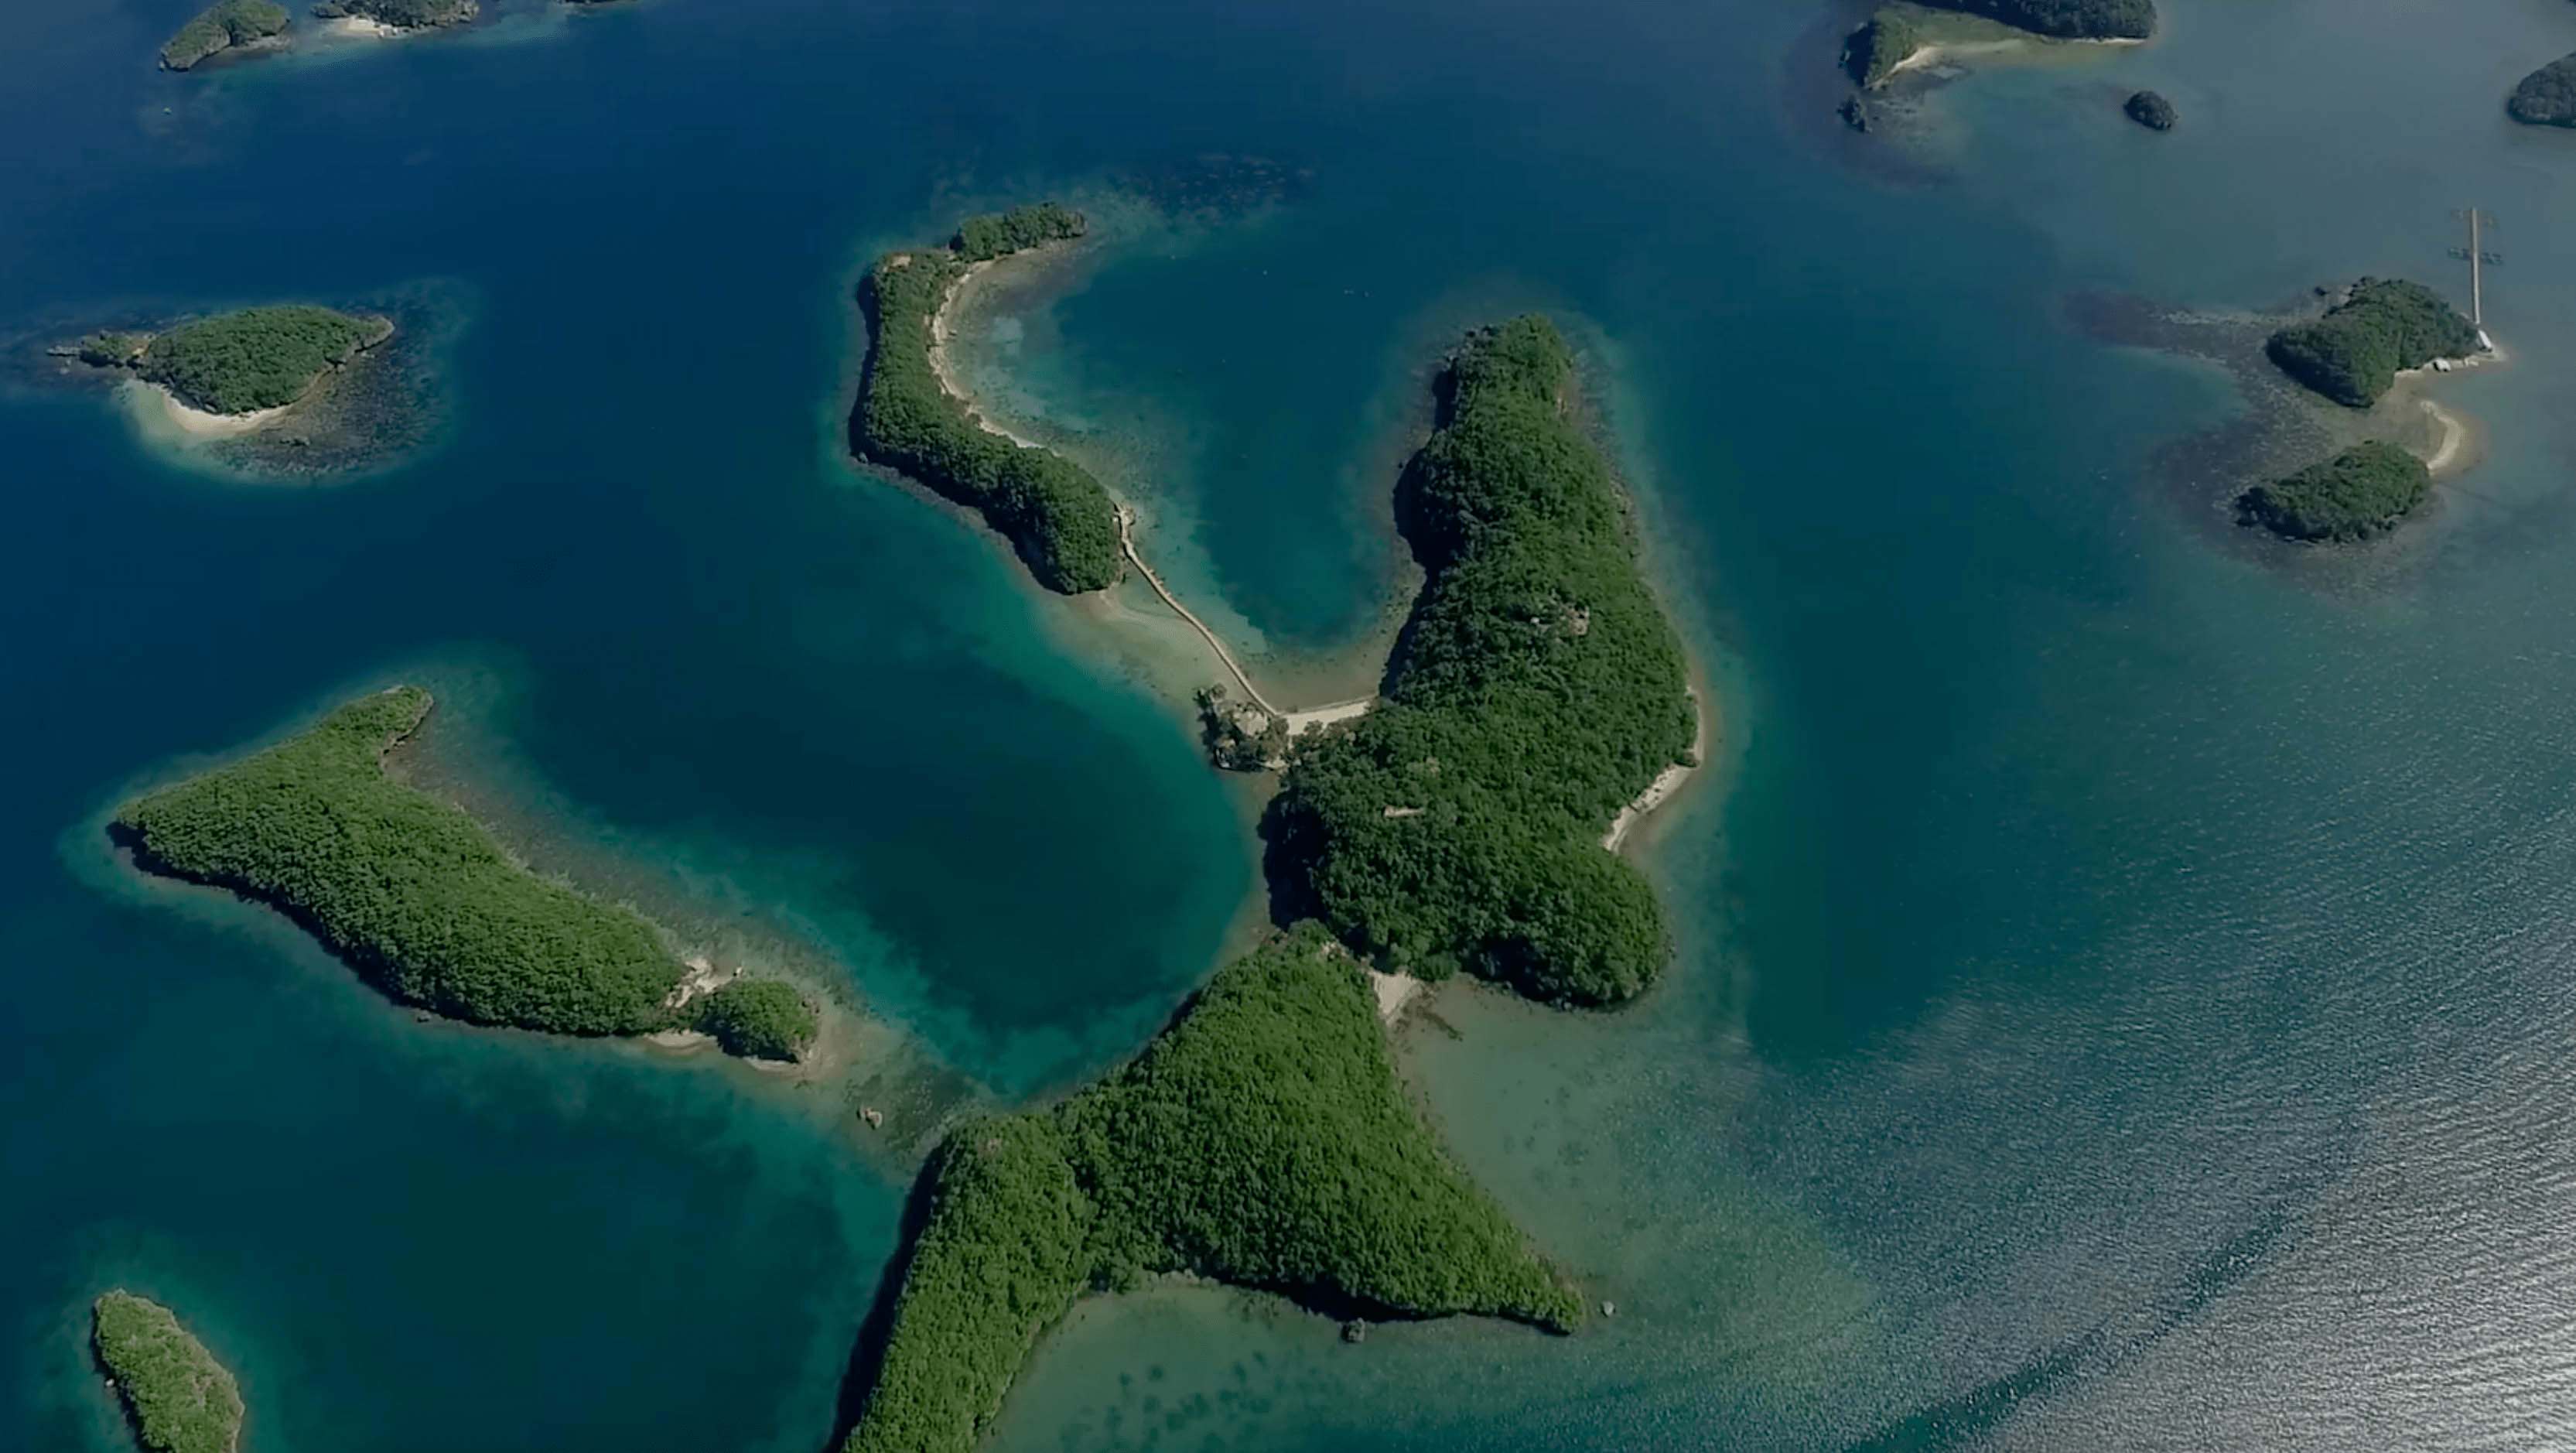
(2124, 992)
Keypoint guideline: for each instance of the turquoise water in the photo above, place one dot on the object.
(2121, 995)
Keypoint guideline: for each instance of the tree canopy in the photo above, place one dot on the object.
(1537, 691)
(2546, 97)
(759, 1019)
(2362, 492)
(1874, 51)
(178, 1397)
(2065, 19)
(1262, 1140)
(220, 26)
(257, 358)
(2353, 354)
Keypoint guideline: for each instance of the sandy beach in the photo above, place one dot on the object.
(2455, 438)
(1393, 992)
(948, 383)
(1668, 781)
(359, 27)
(2018, 47)
(199, 424)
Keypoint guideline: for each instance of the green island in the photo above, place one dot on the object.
(2546, 97)
(2065, 19)
(1261, 1140)
(240, 362)
(223, 26)
(177, 1396)
(1537, 691)
(2353, 354)
(2361, 493)
(403, 14)
(417, 896)
(1882, 43)
(2151, 110)
(1059, 518)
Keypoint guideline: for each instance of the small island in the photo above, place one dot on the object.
(1882, 45)
(241, 363)
(417, 897)
(401, 14)
(2151, 111)
(1261, 1140)
(2382, 327)
(1059, 518)
(1538, 691)
(2546, 97)
(2065, 19)
(2357, 495)
(178, 1398)
(243, 25)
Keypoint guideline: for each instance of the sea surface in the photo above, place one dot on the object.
(2125, 989)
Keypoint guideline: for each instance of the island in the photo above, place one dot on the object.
(908, 418)
(2151, 111)
(2546, 97)
(240, 363)
(178, 1398)
(1537, 691)
(2354, 353)
(2065, 19)
(1883, 44)
(2361, 493)
(1261, 1140)
(417, 897)
(402, 14)
(249, 25)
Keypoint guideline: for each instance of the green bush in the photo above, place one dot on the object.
(2066, 19)
(404, 886)
(1262, 1140)
(228, 23)
(1538, 691)
(2362, 492)
(1053, 512)
(403, 14)
(179, 1398)
(1879, 46)
(2151, 110)
(257, 358)
(2546, 97)
(759, 1019)
(2352, 354)
(110, 350)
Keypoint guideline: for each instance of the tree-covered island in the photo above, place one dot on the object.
(2354, 353)
(2361, 493)
(1059, 518)
(226, 25)
(2065, 19)
(244, 361)
(177, 1397)
(418, 898)
(1537, 690)
(403, 14)
(2546, 97)
(2151, 110)
(1885, 41)
(1261, 1140)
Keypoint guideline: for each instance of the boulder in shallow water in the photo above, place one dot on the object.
(2151, 111)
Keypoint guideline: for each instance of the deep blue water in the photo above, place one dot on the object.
(2122, 988)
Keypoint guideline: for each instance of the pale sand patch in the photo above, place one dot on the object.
(1940, 52)
(1393, 992)
(948, 383)
(199, 424)
(1667, 782)
(359, 27)
(1299, 721)
(2455, 437)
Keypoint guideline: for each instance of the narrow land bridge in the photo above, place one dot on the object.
(1297, 720)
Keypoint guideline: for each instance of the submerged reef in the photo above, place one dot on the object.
(1262, 1140)
(1537, 691)
(418, 898)
(1059, 518)
(178, 1398)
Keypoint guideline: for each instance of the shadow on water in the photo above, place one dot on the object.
(1967, 1419)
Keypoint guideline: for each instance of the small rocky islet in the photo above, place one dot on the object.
(176, 1396)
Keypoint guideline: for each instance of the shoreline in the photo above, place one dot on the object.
(199, 423)
(1671, 780)
(2026, 45)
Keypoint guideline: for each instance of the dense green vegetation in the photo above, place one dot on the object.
(403, 14)
(759, 1019)
(1537, 691)
(1053, 512)
(2066, 19)
(999, 234)
(2362, 492)
(220, 26)
(257, 358)
(112, 350)
(1261, 1140)
(2546, 97)
(406, 887)
(2152, 111)
(179, 1398)
(1874, 51)
(2353, 353)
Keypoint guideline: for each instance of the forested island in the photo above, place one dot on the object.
(2151, 110)
(1261, 1140)
(403, 14)
(418, 898)
(1059, 518)
(2354, 353)
(1885, 41)
(226, 25)
(240, 362)
(2361, 493)
(2065, 19)
(2546, 97)
(177, 1397)
(1537, 691)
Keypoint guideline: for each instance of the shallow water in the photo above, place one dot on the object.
(2121, 993)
